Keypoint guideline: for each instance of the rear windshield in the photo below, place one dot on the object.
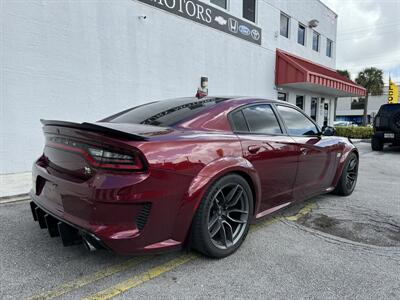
(164, 113)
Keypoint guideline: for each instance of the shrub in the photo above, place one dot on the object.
(360, 132)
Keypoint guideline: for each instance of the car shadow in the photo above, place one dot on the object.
(391, 149)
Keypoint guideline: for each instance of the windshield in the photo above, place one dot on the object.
(164, 113)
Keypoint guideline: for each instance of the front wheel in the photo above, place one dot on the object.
(222, 220)
(348, 179)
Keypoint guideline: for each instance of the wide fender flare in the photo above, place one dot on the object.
(202, 182)
(345, 154)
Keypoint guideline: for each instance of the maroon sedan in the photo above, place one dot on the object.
(183, 172)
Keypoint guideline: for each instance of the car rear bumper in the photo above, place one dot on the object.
(96, 237)
(383, 136)
(70, 234)
(121, 215)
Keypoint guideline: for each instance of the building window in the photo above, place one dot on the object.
(249, 10)
(220, 3)
(357, 103)
(301, 34)
(300, 102)
(314, 108)
(329, 45)
(284, 25)
(282, 96)
(315, 41)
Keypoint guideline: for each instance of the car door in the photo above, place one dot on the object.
(318, 154)
(272, 153)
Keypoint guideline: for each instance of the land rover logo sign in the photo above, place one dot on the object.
(202, 13)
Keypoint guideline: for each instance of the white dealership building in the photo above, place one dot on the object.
(84, 60)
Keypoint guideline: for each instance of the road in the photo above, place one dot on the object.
(327, 248)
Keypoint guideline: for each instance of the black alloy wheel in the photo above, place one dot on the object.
(222, 220)
(351, 173)
(228, 215)
(348, 179)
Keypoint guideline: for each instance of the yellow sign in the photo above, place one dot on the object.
(393, 95)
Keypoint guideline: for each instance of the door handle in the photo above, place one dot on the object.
(303, 151)
(253, 148)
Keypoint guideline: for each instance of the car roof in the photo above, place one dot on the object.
(249, 99)
(216, 117)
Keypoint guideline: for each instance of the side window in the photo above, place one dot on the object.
(261, 119)
(296, 122)
(238, 122)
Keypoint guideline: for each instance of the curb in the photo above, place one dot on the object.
(357, 141)
(14, 198)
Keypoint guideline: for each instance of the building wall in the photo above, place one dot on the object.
(83, 60)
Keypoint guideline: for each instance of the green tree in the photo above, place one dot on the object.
(344, 73)
(372, 80)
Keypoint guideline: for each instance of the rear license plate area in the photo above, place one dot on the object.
(50, 191)
(388, 135)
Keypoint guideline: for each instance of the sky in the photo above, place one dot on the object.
(368, 36)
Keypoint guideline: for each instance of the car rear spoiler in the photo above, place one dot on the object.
(92, 127)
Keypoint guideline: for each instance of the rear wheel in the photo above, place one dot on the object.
(222, 220)
(348, 179)
(376, 144)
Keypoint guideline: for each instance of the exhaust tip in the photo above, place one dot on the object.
(88, 245)
(91, 242)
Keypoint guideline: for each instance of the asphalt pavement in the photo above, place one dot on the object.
(330, 247)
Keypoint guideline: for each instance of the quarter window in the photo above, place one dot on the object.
(249, 10)
(239, 122)
(329, 44)
(220, 3)
(296, 122)
(301, 35)
(315, 41)
(284, 25)
(262, 119)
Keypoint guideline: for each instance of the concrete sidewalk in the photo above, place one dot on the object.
(15, 186)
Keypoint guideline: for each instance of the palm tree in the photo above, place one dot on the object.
(344, 73)
(371, 79)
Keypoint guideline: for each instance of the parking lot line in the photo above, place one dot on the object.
(88, 279)
(302, 212)
(136, 280)
(147, 275)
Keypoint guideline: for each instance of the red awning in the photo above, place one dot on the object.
(295, 72)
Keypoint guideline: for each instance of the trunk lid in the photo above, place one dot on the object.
(75, 151)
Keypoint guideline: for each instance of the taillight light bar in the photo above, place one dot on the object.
(100, 158)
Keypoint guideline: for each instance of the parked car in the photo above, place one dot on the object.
(344, 124)
(386, 127)
(183, 173)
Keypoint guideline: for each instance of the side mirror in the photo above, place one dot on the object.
(328, 131)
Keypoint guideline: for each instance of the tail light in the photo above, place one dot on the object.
(100, 158)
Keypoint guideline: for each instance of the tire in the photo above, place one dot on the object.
(225, 202)
(376, 144)
(348, 179)
(394, 122)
